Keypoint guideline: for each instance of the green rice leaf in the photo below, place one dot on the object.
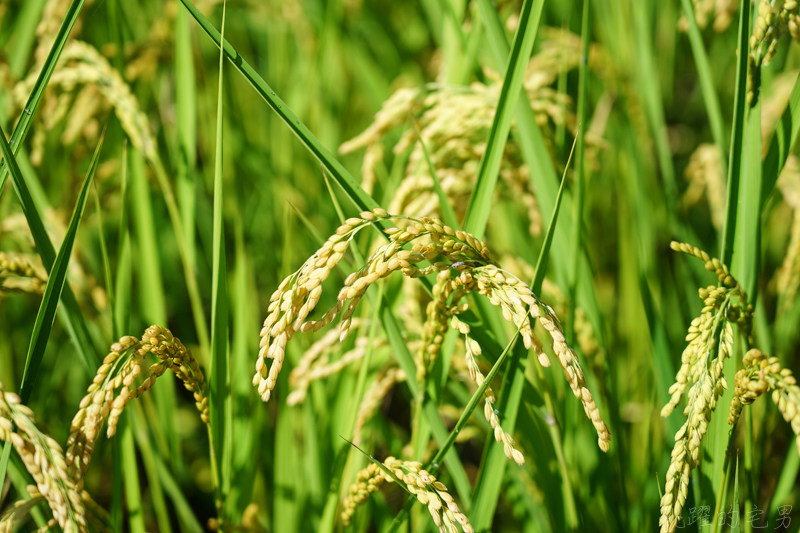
(56, 280)
(737, 135)
(35, 98)
(220, 391)
(480, 202)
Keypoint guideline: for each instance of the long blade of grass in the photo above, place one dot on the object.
(144, 443)
(492, 471)
(109, 282)
(331, 164)
(782, 142)
(653, 101)
(579, 187)
(220, 393)
(75, 323)
(185, 109)
(737, 135)
(748, 221)
(536, 155)
(480, 202)
(133, 491)
(35, 98)
(706, 77)
(121, 325)
(56, 281)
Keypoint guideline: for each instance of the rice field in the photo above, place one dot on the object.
(370, 266)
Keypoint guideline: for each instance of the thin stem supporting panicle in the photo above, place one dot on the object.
(447, 251)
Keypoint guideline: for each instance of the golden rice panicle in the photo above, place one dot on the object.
(710, 337)
(175, 357)
(518, 304)
(44, 460)
(21, 509)
(438, 312)
(21, 273)
(473, 349)
(298, 295)
(82, 64)
(772, 22)
(368, 480)
(750, 383)
(786, 395)
(702, 401)
(430, 492)
(120, 368)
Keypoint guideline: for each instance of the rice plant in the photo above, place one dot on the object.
(358, 233)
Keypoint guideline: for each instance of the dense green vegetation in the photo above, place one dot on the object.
(542, 159)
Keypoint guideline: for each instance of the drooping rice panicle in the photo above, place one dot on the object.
(428, 490)
(762, 374)
(44, 460)
(114, 386)
(448, 249)
(710, 338)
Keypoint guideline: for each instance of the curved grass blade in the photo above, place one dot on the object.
(493, 468)
(24, 122)
(332, 166)
(56, 282)
(220, 393)
(480, 202)
(109, 282)
(782, 141)
(737, 135)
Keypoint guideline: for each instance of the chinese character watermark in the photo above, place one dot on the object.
(701, 515)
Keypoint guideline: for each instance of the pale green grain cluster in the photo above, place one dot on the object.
(453, 122)
(718, 12)
(760, 375)
(87, 83)
(705, 173)
(20, 272)
(710, 339)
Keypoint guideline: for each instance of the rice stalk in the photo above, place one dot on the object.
(297, 296)
(710, 339)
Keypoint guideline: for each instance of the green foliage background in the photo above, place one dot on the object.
(333, 64)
